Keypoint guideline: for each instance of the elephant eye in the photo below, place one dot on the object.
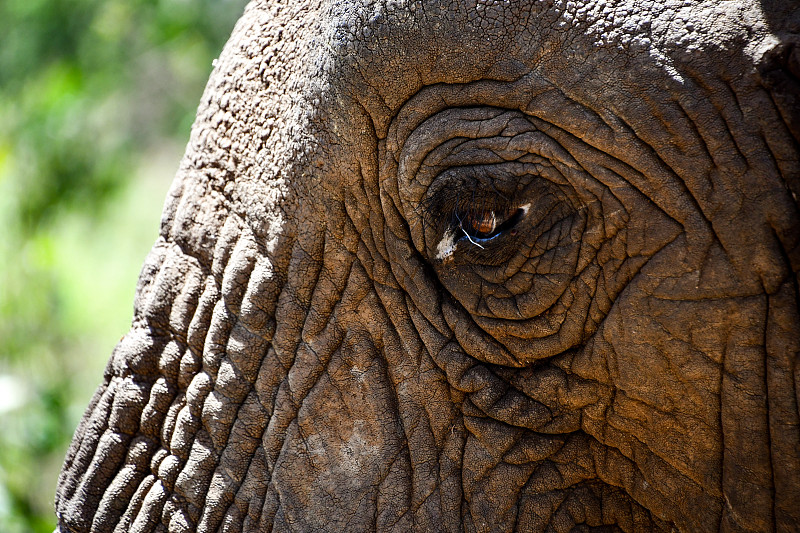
(475, 211)
(486, 224)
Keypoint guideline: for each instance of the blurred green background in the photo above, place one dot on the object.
(96, 103)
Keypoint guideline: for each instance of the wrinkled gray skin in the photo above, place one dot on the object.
(320, 345)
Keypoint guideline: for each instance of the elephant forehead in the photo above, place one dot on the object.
(400, 46)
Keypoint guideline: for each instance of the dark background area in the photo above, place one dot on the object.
(96, 102)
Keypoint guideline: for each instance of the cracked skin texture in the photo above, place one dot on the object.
(622, 356)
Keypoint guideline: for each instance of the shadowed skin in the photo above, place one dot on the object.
(492, 266)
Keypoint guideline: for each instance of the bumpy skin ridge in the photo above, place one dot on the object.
(305, 357)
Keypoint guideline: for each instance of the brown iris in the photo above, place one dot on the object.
(482, 222)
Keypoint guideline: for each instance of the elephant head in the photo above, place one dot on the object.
(469, 266)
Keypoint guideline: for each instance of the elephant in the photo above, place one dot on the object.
(474, 266)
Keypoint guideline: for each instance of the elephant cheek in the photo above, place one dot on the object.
(344, 442)
(693, 403)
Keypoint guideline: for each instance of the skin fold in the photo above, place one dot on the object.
(469, 266)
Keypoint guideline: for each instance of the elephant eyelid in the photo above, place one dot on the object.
(449, 205)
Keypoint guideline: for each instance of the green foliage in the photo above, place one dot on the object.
(96, 101)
